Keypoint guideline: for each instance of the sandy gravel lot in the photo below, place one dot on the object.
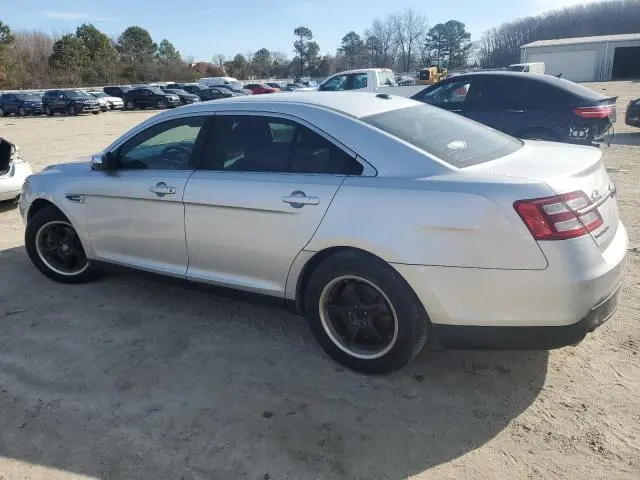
(132, 378)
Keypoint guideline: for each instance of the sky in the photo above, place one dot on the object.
(203, 28)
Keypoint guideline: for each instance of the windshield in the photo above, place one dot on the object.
(445, 135)
(28, 97)
(99, 94)
(74, 93)
(517, 68)
(236, 85)
(156, 90)
(177, 91)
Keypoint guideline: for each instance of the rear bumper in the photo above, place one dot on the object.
(525, 338)
(492, 308)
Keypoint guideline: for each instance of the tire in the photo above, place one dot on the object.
(47, 111)
(96, 112)
(409, 333)
(71, 110)
(22, 112)
(129, 105)
(1, 112)
(46, 219)
(162, 105)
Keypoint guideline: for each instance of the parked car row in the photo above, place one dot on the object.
(50, 102)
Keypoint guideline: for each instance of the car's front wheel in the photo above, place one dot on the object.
(1, 112)
(162, 104)
(47, 111)
(55, 249)
(364, 314)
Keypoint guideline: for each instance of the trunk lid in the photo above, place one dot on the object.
(564, 168)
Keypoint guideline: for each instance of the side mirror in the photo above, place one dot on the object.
(102, 161)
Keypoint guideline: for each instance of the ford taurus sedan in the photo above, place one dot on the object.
(387, 222)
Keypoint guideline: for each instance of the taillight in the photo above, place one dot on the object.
(558, 217)
(600, 111)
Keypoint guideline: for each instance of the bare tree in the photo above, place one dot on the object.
(384, 33)
(409, 28)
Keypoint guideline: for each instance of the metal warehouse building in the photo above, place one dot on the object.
(587, 59)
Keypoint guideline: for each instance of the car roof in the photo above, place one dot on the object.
(564, 84)
(353, 104)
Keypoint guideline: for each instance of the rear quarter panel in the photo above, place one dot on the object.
(431, 222)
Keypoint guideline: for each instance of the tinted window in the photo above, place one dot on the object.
(73, 93)
(334, 84)
(445, 92)
(165, 146)
(445, 135)
(265, 144)
(359, 81)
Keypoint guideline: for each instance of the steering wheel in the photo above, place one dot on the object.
(177, 156)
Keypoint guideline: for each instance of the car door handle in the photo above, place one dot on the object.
(299, 199)
(515, 110)
(161, 189)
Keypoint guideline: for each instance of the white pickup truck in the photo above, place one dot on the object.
(368, 80)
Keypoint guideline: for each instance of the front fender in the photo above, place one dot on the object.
(64, 197)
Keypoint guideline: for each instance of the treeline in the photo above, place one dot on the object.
(402, 41)
(501, 46)
(33, 59)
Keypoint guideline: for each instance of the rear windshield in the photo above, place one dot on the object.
(387, 79)
(456, 140)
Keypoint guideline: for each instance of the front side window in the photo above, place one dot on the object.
(450, 137)
(359, 81)
(246, 143)
(335, 84)
(166, 146)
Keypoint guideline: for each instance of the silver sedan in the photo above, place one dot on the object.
(13, 171)
(388, 223)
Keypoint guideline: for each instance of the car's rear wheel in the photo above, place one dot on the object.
(96, 112)
(47, 111)
(129, 105)
(1, 112)
(55, 249)
(22, 112)
(71, 110)
(364, 314)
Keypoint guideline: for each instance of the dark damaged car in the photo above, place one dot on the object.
(524, 105)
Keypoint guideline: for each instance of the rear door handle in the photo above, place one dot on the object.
(299, 199)
(161, 189)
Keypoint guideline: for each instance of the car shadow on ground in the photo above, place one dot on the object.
(129, 377)
(626, 138)
(8, 205)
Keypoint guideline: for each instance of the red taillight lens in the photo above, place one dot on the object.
(600, 111)
(557, 218)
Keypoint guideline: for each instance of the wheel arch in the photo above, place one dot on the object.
(38, 205)
(314, 262)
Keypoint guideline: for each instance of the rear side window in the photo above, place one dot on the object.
(456, 140)
(246, 143)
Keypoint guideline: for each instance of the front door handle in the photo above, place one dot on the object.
(299, 199)
(161, 189)
(515, 110)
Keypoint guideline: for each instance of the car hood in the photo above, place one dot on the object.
(77, 165)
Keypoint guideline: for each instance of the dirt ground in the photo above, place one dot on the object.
(132, 378)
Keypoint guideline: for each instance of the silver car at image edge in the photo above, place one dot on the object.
(13, 171)
(386, 222)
